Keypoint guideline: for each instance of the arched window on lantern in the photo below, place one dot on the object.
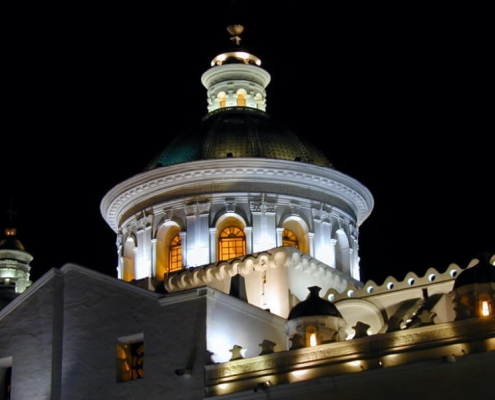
(241, 97)
(222, 99)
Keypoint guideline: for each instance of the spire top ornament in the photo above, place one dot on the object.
(235, 31)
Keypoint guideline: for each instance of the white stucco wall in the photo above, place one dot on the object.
(97, 310)
(234, 322)
(29, 329)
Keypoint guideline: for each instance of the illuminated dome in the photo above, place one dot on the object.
(238, 132)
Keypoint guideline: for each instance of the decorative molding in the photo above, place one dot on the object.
(168, 214)
(226, 175)
(295, 208)
(230, 205)
(369, 352)
(279, 257)
(204, 207)
(197, 208)
(263, 206)
(119, 240)
(321, 214)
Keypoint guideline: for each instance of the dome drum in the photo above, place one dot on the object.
(231, 176)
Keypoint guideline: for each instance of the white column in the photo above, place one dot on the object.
(280, 231)
(263, 226)
(311, 238)
(183, 239)
(198, 247)
(134, 262)
(333, 243)
(213, 245)
(153, 258)
(248, 230)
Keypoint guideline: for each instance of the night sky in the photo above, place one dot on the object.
(397, 97)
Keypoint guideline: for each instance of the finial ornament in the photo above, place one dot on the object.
(235, 31)
(10, 212)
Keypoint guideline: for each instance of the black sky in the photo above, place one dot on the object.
(399, 98)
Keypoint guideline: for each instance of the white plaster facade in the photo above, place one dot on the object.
(59, 341)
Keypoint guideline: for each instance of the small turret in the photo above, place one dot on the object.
(14, 267)
(314, 321)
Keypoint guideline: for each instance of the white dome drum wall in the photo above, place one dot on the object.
(239, 195)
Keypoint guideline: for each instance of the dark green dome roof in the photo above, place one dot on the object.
(314, 305)
(238, 132)
(483, 272)
(10, 242)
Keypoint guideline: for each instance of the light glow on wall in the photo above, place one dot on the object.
(299, 375)
(197, 256)
(485, 309)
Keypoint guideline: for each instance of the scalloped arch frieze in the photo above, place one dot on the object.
(303, 271)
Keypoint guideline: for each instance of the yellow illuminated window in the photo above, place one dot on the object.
(232, 243)
(130, 361)
(289, 238)
(175, 254)
(241, 100)
(222, 98)
(241, 97)
(311, 336)
(485, 306)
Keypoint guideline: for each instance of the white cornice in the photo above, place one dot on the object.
(232, 175)
(235, 72)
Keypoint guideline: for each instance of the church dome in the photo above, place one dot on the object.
(235, 132)
(314, 305)
(10, 242)
(237, 125)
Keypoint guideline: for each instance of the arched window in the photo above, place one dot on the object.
(175, 254)
(311, 336)
(231, 243)
(169, 254)
(295, 233)
(289, 238)
(259, 100)
(241, 98)
(128, 260)
(222, 99)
